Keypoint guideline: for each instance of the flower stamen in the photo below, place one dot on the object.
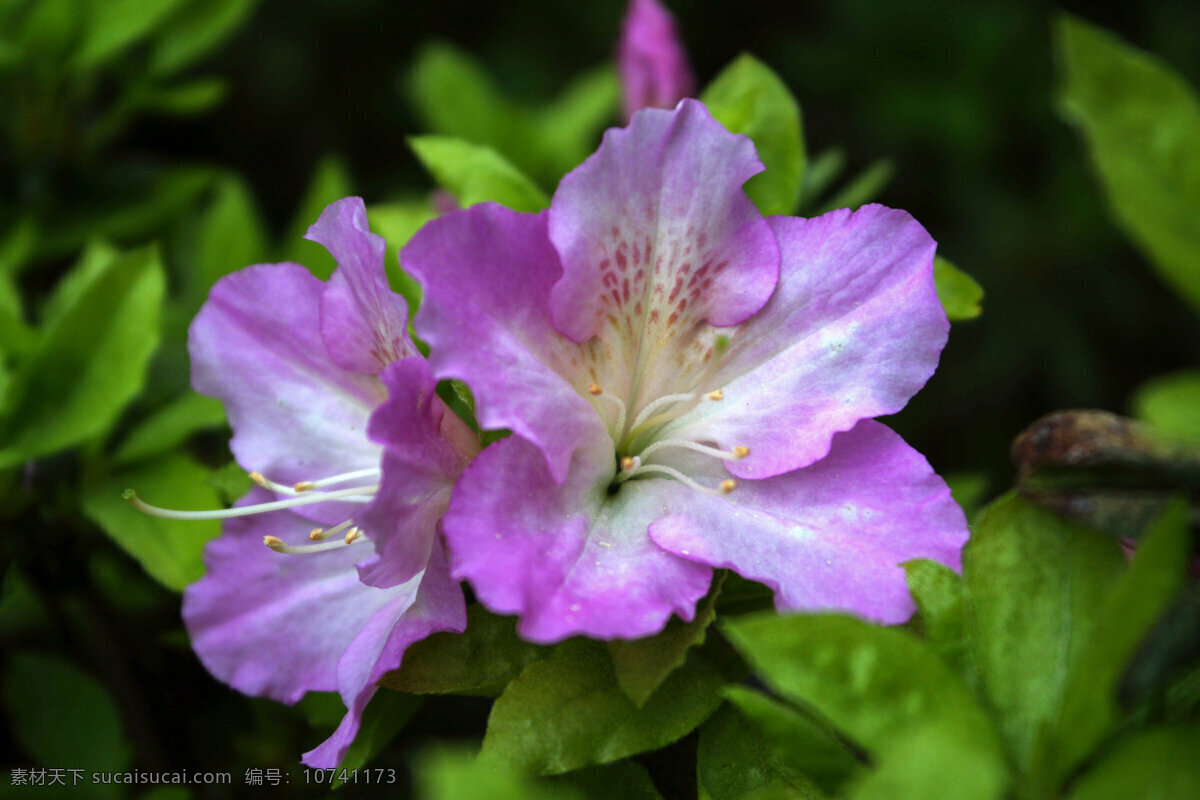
(277, 544)
(622, 411)
(736, 454)
(726, 486)
(360, 493)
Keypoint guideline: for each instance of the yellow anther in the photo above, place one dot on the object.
(595, 389)
(273, 542)
(741, 452)
(717, 395)
(316, 534)
(728, 485)
(628, 463)
(258, 478)
(352, 534)
(304, 486)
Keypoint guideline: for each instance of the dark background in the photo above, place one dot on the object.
(959, 95)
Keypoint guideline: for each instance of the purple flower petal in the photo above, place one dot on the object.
(487, 272)
(853, 331)
(420, 463)
(296, 415)
(363, 322)
(567, 558)
(653, 65)
(379, 648)
(831, 535)
(656, 234)
(276, 625)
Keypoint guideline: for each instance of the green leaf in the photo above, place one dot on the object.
(455, 97)
(476, 174)
(91, 361)
(198, 28)
(330, 182)
(642, 665)
(481, 660)
(875, 685)
(1033, 585)
(170, 550)
(230, 482)
(796, 741)
(747, 97)
(396, 223)
(863, 188)
(457, 775)
(184, 99)
(385, 716)
(231, 235)
(820, 173)
(958, 291)
(37, 688)
(50, 29)
(115, 25)
(567, 711)
(733, 762)
(969, 489)
(1141, 123)
(627, 780)
(170, 427)
(1090, 708)
(569, 129)
(937, 591)
(1170, 403)
(1159, 763)
(932, 761)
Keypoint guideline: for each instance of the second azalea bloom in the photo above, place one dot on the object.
(335, 415)
(653, 65)
(689, 386)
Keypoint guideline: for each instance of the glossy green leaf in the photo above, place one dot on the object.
(1141, 123)
(230, 482)
(933, 761)
(1090, 708)
(797, 741)
(733, 762)
(1033, 583)
(481, 660)
(38, 689)
(958, 291)
(476, 174)
(459, 775)
(747, 97)
(330, 181)
(170, 550)
(819, 174)
(196, 30)
(937, 591)
(874, 685)
(567, 711)
(1171, 403)
(170, 427)
(90, 363)
(627, 780)
(1157, 764)
(642, 665)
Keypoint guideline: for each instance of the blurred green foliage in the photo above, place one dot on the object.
(147, 149)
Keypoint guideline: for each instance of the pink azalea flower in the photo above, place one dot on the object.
(689, 386)
(653, 66)
(330, 401)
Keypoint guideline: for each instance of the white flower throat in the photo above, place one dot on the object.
(638, 441)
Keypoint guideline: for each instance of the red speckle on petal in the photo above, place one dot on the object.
(637, 309)
(625, 289)
(671, 319)
(622, 261)
(654, 315)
